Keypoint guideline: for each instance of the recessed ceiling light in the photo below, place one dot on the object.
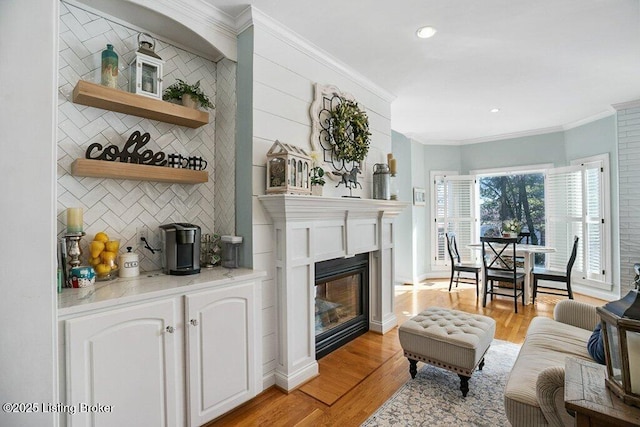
(495, 110)
(426, 32)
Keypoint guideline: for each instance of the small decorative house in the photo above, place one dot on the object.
(146, 70)
(288, 169)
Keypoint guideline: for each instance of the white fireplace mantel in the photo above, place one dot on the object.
(309, 229)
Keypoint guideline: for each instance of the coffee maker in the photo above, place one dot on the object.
(180, 248)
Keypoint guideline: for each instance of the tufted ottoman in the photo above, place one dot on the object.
(449, 339)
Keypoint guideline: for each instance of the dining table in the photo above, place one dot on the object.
(526, 251)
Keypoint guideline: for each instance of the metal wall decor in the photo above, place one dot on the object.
(130, 153)
(325, 100)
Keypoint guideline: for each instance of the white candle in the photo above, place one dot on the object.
(392, 166)
(389, 157)
(74, 220)
(633, 347)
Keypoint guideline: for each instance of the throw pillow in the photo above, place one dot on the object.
(595, 346)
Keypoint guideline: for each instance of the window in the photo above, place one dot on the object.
(576, 203)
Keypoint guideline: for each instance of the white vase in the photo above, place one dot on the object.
(316, 190)
(190, 101)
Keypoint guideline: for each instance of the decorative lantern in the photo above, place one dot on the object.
(146, 70)
(621, 328)
(288, 169)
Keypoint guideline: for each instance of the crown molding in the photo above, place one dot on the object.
(627, 105)
(598, 116)
(533, 132)
(253, 16)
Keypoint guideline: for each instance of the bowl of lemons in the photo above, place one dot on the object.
(103, 256)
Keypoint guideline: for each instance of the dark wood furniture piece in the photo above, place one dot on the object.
(556, 276)
(499, 266)
(594, 405)
(457, 266)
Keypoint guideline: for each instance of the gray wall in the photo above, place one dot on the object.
(401, 148)
(524, 151)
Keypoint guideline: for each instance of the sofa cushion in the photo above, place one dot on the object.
(548, 343)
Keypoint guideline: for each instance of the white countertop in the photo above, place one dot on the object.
(148, 285)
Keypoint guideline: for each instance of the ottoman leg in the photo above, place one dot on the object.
(413, 367)
(481, 365)
(464, 385)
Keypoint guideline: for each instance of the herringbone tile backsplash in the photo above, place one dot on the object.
(121, 207)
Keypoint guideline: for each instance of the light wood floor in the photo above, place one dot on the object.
(276, 408)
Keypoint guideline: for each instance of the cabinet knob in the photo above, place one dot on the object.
(194, 322)
(170, 329)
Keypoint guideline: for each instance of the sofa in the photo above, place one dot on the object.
(534, 392)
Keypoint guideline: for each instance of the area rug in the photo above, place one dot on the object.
(434, 398)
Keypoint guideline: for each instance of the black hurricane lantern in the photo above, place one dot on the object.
(621, 328)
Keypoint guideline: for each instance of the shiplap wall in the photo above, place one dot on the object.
(629, 176)
(284, 73)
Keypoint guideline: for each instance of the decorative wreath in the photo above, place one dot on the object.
(350, 131)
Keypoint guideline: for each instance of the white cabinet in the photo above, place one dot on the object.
(176, 360)
(222, 354)
(130, 361)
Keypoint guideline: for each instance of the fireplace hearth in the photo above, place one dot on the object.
(341, 302)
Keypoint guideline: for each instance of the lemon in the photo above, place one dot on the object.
(113, 246)
(95, 261)
(107, 256)
(102, 269)
(96, 247)
(101, 237)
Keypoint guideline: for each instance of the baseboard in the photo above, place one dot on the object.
(388, 323)
(289, 382)
(268, 380)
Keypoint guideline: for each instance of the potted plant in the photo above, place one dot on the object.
(191, 96)
(317, 174)
(511, 228)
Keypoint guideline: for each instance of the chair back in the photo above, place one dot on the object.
(524, 235)
(498, 253)
(572, 258)
(452, 248)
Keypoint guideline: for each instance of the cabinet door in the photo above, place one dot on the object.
(221, 353)
(129, 359)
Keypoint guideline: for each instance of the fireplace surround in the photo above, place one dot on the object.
(311, 229)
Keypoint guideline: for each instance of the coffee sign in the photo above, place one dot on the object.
(131, 153)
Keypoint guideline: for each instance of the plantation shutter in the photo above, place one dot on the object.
(454, 211)
(594, 220)
(563, 205)
(573, 202)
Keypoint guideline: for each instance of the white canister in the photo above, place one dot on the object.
(129, 264)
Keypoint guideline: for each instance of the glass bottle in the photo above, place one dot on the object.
(109, 67)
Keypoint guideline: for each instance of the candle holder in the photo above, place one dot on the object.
(74, 251)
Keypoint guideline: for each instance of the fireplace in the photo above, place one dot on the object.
(307, 231)
(341, 302)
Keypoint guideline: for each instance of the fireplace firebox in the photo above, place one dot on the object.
(341, 302)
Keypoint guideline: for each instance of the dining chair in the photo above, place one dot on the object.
(523, 237)
(457, 266)
(499, 266)
(556, 276)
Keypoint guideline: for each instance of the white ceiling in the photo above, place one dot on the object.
(546, 64)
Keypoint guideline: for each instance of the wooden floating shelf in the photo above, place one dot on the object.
(119, 170)
(95, 95)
